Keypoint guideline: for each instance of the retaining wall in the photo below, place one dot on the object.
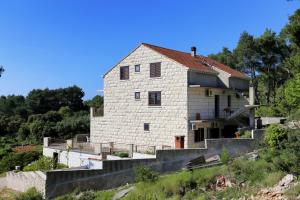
(119, 172)
(22, 181)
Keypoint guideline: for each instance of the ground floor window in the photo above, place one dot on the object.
(199, 135)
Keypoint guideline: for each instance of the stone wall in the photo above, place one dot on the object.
(124, 116)
(22, 181)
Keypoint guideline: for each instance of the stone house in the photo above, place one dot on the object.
(162, 97)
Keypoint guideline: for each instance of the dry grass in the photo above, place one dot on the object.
(8, 194)
(23, 149)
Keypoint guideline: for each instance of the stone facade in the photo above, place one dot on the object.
(124, 116)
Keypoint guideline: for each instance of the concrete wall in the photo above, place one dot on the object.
(204, 80)
(124, 116)
(271, 120)
(119, 172)
(22, 181)
(75, 158)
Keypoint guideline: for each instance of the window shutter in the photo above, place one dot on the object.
(155, 69)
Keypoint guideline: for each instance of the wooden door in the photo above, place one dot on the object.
(179, 142)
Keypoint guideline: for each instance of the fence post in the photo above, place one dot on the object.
(111, 147)
(154, 150)
(46, 141)
(130, 152)
(70, 143)
(98, 148)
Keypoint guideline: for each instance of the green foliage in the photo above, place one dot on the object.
(121, 154)
(292, 92)
(292, 29)
(246, 134)
(293, 192)
(1, 70)
(89, 195)
(224, 156)
(97, 101)
(18, 159)
(65, 111)
(267, 111)
(275, 135)
(42, 101)
(30, 194)
(43, 164)
(145, 174)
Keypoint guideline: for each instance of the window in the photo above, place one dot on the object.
(137, 68)
(154, 98)
(229, 101)
(124, 73)
(146, 127)
(208, 92)
(155, 69)
(137, 95)
(199, 135)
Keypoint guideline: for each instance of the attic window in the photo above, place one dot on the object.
(155, 69)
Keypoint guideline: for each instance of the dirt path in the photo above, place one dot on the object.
(122, 193)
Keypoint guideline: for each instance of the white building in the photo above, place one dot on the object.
(161, 97)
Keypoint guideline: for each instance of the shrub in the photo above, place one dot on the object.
(30, 194)
(121, 154)
(145, 174)
(246, 134)
(224, 156)
(44, 163)
(275, 135)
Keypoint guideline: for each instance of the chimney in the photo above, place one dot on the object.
(193, 51)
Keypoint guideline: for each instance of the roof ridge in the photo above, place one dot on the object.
(167, 48)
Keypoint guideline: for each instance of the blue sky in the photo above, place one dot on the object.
(59, 43)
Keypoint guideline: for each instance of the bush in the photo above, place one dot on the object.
(267, 111)
(145, 174)
(43, 164)
(246, 134)
(121, 154)
(224, 156)
(275, 135)
(30, 194)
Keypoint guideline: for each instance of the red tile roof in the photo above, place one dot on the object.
(201, 63)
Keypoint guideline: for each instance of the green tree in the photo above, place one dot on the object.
(225, 56)
(248, 58)
(292, 92)
(1, 70)
(273, 50)
(292, 29)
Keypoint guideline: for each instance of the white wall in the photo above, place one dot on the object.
(124, 117)
(75, 159)
(199, 103)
